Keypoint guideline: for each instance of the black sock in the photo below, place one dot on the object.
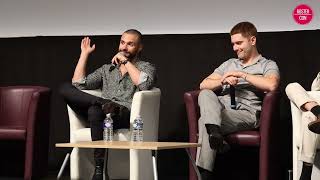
(316, 110)
(215, 136)
(306, 172)
(205, 174)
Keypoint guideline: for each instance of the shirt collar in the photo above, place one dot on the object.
(255, 60)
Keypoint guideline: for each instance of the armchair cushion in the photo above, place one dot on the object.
(244, 138)
(12, 133)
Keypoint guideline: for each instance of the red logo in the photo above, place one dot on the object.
(302, 14)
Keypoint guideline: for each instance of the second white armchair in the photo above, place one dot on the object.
(122, 164)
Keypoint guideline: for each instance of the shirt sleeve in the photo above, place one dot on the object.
(91, 81)
(143, 77)
(271, 68)
(222, 68)
(147, 77)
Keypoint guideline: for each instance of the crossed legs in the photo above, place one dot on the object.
(215, 112)
(95, 108)
(309, 126)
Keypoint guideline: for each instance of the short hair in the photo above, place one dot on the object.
(135, 32)
(246, 29)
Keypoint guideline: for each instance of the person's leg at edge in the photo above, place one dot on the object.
(213, 112)
(310, 116)
(88, 106)
(209, 132)
(96, 116)
(307, 146)
(298, 95)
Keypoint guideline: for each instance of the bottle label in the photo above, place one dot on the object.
(107, 125)
(137, 125)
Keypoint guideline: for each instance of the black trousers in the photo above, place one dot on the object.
(90, 107)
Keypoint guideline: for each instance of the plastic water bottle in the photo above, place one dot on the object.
(137, 129)
(108, 128)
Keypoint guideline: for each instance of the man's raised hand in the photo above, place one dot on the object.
(85, 46)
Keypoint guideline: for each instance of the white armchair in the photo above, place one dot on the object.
(296, 136)
(122, 164)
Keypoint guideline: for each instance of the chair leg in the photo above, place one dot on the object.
(63, 166)
(154, 163)
(28, 164)
(194, 165)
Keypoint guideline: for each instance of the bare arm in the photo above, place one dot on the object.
(213, 82)
(268, 82)
(134, 73)
(132, 70)
(80, 70)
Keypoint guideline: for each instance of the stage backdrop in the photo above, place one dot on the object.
(110, 17)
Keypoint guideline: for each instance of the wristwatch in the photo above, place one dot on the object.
(124, 62)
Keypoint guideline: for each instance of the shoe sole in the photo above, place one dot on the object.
(314, 126)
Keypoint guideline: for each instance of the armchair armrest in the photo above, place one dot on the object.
(269, 118)
(270, 133)
(146, 104)
(192, 108)
(75, 121)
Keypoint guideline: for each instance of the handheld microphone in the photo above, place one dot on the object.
(112, 67)
(233, 97)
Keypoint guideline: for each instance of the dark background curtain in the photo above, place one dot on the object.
(182, 62)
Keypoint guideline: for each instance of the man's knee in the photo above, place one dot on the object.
(205, 95)
(95, 110)
(64, 88)
(291, 87)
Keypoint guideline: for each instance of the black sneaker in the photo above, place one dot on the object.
(215, 136)
(216, 141)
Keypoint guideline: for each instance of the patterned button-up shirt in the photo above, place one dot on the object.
(117, 88)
